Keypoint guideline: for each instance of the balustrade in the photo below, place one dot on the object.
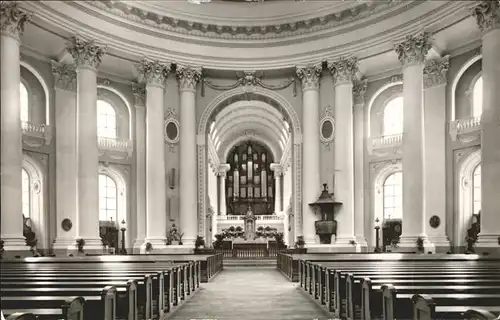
(464, 126)
(37, 130)
(258, 218)
(116, 144)
(387, 141)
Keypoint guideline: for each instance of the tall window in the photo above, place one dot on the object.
(107, 198)
(393, 117)
(24, 102)
(477, 98)
(26, 189)
(476, 193)
(393, 196)
(106, 120)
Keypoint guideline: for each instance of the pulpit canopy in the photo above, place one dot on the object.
(326, 203)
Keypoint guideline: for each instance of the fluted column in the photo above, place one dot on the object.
(188, 79)
(487, 14)
(278, 177)
(154, 73)
(13, 21)
(359, 90)
(223, 169)
(411, 53)
(87, 56)
(139, 92)
(66, 155)
(435, 150)
(343, 72)
(311, 184)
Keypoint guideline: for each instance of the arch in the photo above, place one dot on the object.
(377, 205)
(44, 86)
(125, 101)
(249, 93)
(122, 205)
(257, 138)
(464, 185)
(456, 79)
(394, 180)
(37, 189)
(374, 97)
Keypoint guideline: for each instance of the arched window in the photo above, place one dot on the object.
(24, 102)
(106, 120)
(26, 190)
(107, 198)
(393, 117)
(477, 98)
(393, 196)
(476, 193)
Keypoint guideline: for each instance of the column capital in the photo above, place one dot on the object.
(413, 49)
(223, 169)
(86, 53)
(435, 71)
(188, 77)
(359, 90)
(277, 169)
(153, 72)
(310, 75)
(487, 15)
(343, 70)
(64, 76)
(13, 19)
(139, 92)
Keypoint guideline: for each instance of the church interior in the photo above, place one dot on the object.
(205, 159)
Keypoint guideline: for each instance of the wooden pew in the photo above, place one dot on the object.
(21, 316)
(98, 305)
(72, 309)
(425, 308)
(480, 314)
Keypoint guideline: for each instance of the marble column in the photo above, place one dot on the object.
(435, 151)
(223, 169)
(66, 155)
(487, 15)
(343, 72)
(13, 20)
(311, 183)
(188, 79)
(278, 177)
(139, 92)
(154, 74)
(411, 53)
(87, 56)
(359, 90)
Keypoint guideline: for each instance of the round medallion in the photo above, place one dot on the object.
(66, 224)
(172, 130)
(434, 221)
(327, 129)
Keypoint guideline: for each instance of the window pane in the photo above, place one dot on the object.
(477, 98)
(106, 120)
(393, 199)
(107, 198)
(476, 190)
(24, 102)
(393, 117)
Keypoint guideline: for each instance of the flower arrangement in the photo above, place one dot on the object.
(80, 243)
(420, 244)
(148, 247)
(200, 242)
(219, 239)
(279, 237)
(300, 242)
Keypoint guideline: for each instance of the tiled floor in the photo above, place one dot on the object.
(249, 294)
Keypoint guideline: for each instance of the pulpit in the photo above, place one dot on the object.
(249, 220)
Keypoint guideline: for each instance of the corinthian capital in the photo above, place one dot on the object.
(487, 15)
(413, 49)
(64, 76)
(359, 90)
(86, 53)
(154, 72)
(139, 92)
(188, 77)
(309, 75)
(435, 71)
(12, 19)
(343, 70)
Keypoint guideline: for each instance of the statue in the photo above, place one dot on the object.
(249, 224)
(174, 235)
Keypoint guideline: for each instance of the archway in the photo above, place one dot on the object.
(259, 103)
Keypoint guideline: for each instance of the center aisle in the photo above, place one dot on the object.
(249, 294)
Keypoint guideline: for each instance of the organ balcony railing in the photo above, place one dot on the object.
(116, 145)
(460, 129)
(36, 134)
(258, 218)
